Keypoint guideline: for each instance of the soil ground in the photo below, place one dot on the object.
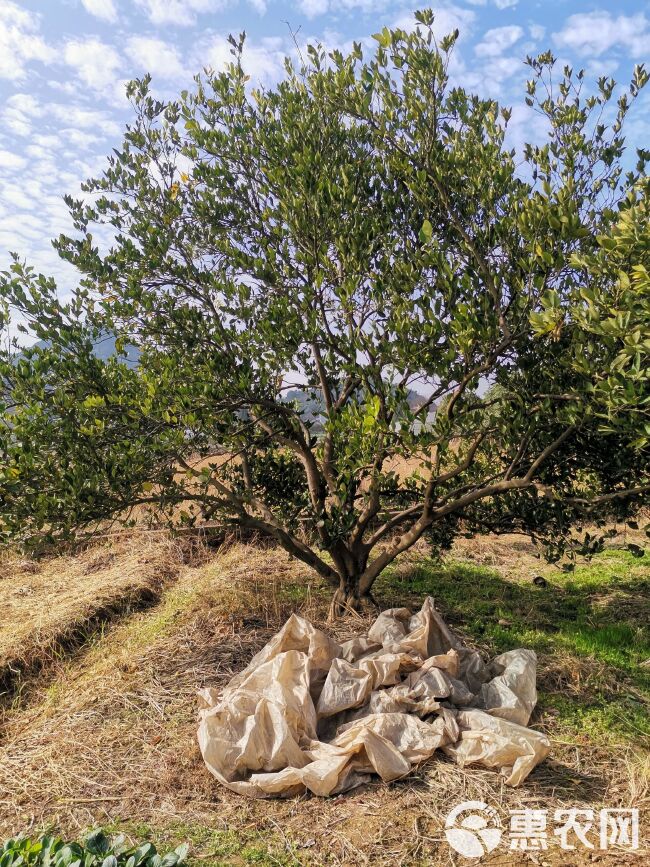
(104, 732)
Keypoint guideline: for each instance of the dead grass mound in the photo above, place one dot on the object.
(53, 605)
(112, 741)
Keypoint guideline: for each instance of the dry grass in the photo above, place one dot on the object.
(111, 739)
(51, 605)
(514, 554)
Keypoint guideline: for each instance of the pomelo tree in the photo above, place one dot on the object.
(358, 235)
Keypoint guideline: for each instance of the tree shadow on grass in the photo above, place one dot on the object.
(590, 634)
(605, 618)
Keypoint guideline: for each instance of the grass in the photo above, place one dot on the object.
(109, 737)
(51, 606)
(215, 847)
(590, 628)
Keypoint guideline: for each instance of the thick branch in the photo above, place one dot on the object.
(434, 482)
(430, 515)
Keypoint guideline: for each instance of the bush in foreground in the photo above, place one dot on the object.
(97, 850)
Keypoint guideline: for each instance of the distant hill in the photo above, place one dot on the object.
(105, 348)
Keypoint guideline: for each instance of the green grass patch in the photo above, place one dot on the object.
(136, 844)
(597, 618)
(218, 847)
(599, 719)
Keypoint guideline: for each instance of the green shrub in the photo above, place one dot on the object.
(97, 850)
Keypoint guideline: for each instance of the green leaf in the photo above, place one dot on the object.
(383, 38)
(182, 852)
(426, 232)
(97, 843)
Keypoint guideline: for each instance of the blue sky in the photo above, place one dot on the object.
(64, 64)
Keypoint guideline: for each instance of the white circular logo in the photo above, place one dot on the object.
(475, 834)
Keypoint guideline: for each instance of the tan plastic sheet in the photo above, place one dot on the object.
(308, 713)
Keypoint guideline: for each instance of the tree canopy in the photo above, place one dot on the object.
(361, 230)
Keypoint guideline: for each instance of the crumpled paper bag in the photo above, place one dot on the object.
(310, 714)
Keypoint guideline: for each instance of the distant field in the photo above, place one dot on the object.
(105, 733)
(149, 516)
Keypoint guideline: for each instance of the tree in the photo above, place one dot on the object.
(359, 231)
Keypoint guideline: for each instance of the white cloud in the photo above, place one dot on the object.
(47, 141)
(500, 4)
(362, 5)
(596, 67)
(27, 103)
(85, 118)
(15, 121)
(525, 125)
(79, 139)
(447, 19)
(14, 194)
(27, 220)
(590, 34)
(11, 161)
(20, 41)
(20, 109)
(155, 56)
(498, 40)
(491, 78)
(263, 60)
(95, 62)
(183, 13)
(37, 152)
(537, 31)
(312, 8)
(180, 12)
(496, 74)
(104, 9)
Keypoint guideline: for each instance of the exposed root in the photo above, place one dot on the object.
(351, 604)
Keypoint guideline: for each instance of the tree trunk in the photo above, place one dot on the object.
(351, 563)
(348, 599)
(345, 601)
